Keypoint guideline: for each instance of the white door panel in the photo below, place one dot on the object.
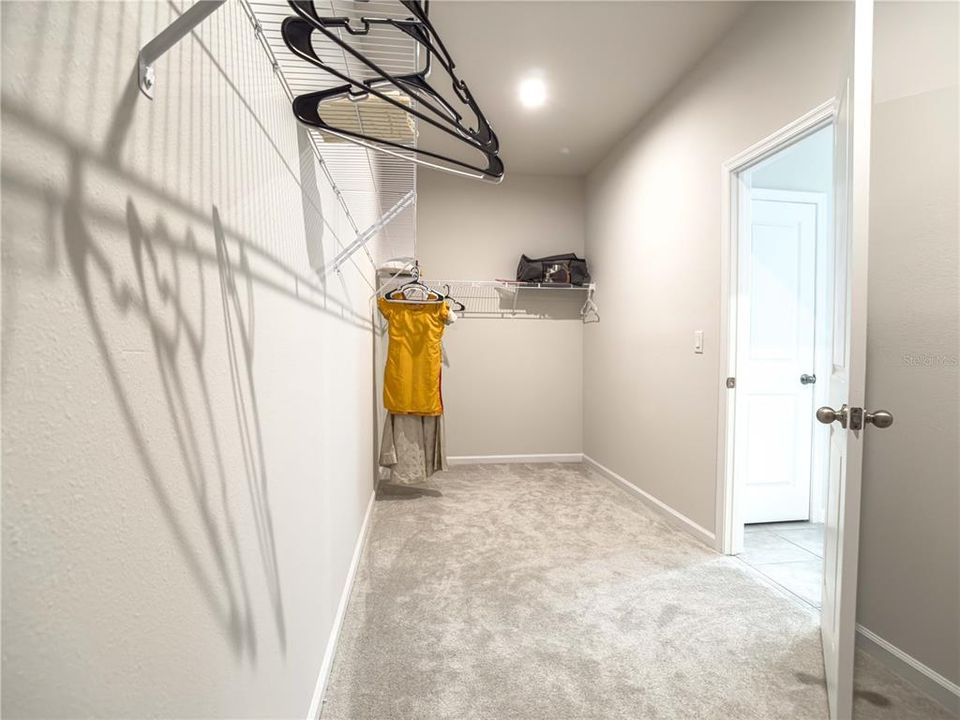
(847, 378)
(776, 334)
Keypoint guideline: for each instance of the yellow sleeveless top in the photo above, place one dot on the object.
(411, 381)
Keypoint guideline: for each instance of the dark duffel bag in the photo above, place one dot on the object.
(566, 269)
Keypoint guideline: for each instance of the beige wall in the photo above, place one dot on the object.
(187, 433)
(653, 234)
(653, 210)
(514, 385)
(910, 532)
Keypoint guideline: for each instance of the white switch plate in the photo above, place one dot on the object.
(698, 342)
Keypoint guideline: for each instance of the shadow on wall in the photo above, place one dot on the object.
(248, 411)
(313, 222)
(177, 334)
(168, 275)
(294, 285)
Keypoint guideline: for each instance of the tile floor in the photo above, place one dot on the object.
(790, 554)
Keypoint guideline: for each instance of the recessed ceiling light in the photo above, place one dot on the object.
(532, 92)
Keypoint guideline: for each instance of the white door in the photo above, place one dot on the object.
(773, 428)
(846, 381)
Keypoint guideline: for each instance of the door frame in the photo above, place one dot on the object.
(729, 519)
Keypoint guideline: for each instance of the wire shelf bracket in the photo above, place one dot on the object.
(363, 238)
(167, 38)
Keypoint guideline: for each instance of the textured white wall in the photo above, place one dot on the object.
(653, 235)
(514, 386)
(187, 426)
(910, 527)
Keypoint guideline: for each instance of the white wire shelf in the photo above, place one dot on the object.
(368, 185)
(506, 298)
(519, 285)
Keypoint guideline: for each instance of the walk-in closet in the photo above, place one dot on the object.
(480, 359)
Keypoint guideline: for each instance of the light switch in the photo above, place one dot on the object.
(698, 342)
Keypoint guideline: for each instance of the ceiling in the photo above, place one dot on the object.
(605, 64)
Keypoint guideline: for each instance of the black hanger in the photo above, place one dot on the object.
(306, 108)
(297, 34)
(415, 84)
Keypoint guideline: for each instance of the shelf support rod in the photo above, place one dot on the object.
(168, 37)
(365, 236)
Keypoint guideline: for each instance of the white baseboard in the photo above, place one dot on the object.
(676, 518)
(502, 459)
(941, 689)
(331, 649)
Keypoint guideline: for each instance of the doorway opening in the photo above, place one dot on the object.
(780, 321)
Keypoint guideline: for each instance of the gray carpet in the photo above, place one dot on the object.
(544, 591)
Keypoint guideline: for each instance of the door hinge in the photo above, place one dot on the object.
(731, 383)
